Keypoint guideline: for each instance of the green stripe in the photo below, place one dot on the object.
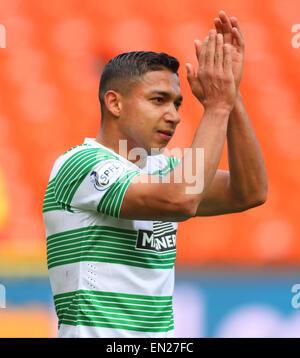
(104, 244)
(165, 319)
(117, 308)
(74, 171)
(111, 255)
(76, 240)
(107, 229)
(113, 259)
(67, 168)
(112, 294)
(172, 162)
(111, 202)
(74, 159)
(62, 188)
(112, 307)
(123, 261)
(112, 320)
(78, 175)
(50, 202)
(150, 307)
(114, 310)
(88, 228)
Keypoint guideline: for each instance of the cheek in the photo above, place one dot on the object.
(140, 117)
(133, 109)
(140, 113)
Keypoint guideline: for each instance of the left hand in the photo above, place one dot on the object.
(231, 32)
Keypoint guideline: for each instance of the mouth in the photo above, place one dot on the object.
(166, 134)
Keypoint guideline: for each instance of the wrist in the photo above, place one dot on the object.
(238, 104)
(238, 97)
(219, 111)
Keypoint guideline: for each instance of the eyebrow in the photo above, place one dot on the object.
(166, 94)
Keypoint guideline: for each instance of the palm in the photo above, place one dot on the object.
(237, 62)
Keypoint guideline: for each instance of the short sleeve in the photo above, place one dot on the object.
(166, 165)
(93, 180)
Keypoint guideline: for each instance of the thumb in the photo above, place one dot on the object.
(190, 72)
(193, 81)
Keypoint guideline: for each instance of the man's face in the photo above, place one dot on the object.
(150, 111)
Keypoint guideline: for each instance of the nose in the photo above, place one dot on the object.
(172, 115)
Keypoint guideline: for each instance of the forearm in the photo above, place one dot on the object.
(248, 179)
(210, 138)
(175, 197)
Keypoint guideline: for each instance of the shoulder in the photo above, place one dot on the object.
(83, 156)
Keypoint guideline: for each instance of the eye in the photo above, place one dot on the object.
(177, 105)
(158, 99)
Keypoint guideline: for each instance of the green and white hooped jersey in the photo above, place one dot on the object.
(110, 277)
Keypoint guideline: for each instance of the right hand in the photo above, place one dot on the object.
(214, 84)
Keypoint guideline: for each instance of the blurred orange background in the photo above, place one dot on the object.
(50, 71)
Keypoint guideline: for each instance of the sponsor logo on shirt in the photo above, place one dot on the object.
(107, 174)
(149, 240)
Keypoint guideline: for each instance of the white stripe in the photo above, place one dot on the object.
(53, 261)
(111, 278)
(104, 332)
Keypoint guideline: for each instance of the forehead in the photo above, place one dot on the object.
(163, 80)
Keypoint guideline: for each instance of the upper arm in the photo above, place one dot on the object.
(92, 182)
(146, 200)
(219, 198)
(151, 197)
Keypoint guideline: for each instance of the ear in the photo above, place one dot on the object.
(113, 102)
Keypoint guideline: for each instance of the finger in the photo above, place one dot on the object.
(197, 44)
(211, 45)
(219, 52)
(234, 43)
(227, 63)
(224, 18)
(226, 27)
(202, 54)
(218, 25)
(234, 23)
(237, 37)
